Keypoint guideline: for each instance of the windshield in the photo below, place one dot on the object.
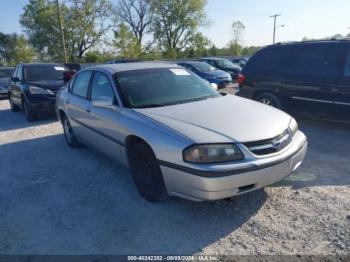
(161, 87)
(6, 73)
(43, 72)
(225, 63)
(202, 67)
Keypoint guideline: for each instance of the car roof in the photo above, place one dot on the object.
(42, 64)
(213, 58)
(326, 41)
(114, 68)
(191, 62)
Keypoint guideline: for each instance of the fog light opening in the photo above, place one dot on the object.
(246, 188)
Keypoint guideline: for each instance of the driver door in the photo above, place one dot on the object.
(105, 133)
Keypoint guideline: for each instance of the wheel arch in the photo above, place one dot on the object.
(132, 140)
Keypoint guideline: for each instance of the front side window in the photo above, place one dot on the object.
(101, 87)
(81, 84)
(308, 60)
(161, 87)
(33, 73)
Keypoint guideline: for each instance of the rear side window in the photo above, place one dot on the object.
(308, 60)
(270, 60)
(81, 84)
(101, 87)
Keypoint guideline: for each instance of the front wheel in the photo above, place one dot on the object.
(28, 110)
(270, 100)
(14, 107)
(146, 173)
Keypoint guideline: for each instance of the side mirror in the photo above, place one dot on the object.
(103, 102)
(15, 79)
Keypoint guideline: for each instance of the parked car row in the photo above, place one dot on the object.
(219, 78)
(162, 121)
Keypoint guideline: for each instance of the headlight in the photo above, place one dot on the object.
(293, 126)
(34, 90)
(213, 85)
(212, 153)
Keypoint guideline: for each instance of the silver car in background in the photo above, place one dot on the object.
(176, 134)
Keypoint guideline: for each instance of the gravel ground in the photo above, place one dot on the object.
(57, 200)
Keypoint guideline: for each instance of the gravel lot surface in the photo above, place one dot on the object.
(57, 200)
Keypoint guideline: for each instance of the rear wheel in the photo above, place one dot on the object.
(28, 110)
(146, 173)
(14, 107)
(71, 138)
(270, 100)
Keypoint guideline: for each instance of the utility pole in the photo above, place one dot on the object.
(274, 26)
(62, 32)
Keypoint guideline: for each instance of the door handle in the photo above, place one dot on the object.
(66, 102)
(88, 110)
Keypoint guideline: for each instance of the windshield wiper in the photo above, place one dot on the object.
(150, 106)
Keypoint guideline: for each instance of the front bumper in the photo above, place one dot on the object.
(197, 187)
(43, 103)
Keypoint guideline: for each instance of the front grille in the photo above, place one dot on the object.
(270, 146)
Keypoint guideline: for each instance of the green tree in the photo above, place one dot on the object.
(84, 20)
(137, 15)
(39, 20)
(7, 47)
(234, 48)
(238, 29)
(87, 23)
(23, 52)
(198, 45)
(126, 43)
(15, 49)
(174, 22)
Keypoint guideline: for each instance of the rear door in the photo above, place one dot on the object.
(78, 105)
(304, 78)
(105, 133)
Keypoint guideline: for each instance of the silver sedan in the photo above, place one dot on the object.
(176, 134)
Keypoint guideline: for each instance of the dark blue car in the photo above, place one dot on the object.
(208, 72)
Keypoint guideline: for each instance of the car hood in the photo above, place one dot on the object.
(222, 119)
(215, 73)
(234, 67)
(53, 85)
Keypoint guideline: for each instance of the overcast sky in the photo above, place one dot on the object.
(311, 18)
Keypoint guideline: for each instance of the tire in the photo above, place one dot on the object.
(69, 135)
(14, 107)
(270, 100)
(28, 111)
(146, 173)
